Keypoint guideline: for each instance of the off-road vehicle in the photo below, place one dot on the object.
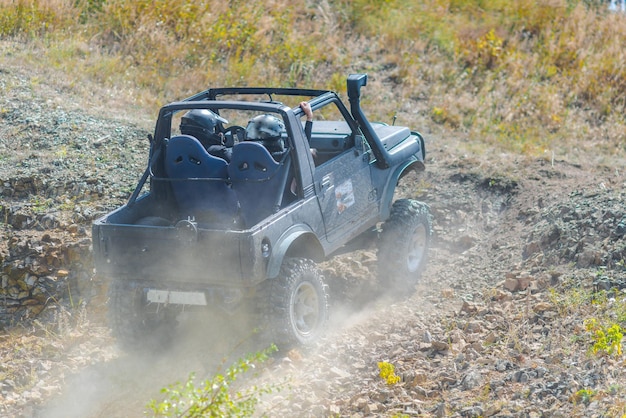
(245, 229)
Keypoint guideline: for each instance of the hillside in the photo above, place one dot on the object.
(520, 312)
(496, 328)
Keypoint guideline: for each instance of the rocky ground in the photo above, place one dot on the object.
(496, 327)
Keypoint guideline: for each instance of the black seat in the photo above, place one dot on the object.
(199, 181)
(258, 179)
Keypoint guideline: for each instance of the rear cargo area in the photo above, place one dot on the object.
(144, 242)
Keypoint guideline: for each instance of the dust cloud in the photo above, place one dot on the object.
(205, 342)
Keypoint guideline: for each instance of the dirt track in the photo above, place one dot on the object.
(483, 335)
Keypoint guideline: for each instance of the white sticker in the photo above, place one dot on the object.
(344, 195)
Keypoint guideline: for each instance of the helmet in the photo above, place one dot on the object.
(202, 124)
(267, 130)
(264, 128)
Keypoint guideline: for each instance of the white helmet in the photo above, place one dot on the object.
(265, 128)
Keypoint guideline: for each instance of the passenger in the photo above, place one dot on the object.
(204, 125)
(267, 130)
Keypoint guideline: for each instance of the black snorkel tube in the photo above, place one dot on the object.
(384, 158)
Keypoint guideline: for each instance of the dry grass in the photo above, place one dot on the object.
(528, 77)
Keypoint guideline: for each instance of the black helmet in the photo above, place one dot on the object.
(266, 129)
(202, 124)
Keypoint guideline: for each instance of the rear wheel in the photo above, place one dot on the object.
(135, 323)
(294, 306)
(403, 245)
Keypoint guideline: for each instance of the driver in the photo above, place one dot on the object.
(204, 125)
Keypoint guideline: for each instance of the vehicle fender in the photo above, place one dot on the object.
(399, 172)
(298, 241)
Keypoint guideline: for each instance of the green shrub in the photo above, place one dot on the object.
(606, 338)
(217, 396)
(583, 396)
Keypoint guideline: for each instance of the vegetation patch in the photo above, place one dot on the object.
(216, 396)
(498, 70)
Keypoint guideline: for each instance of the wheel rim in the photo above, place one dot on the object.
(305, 309)
(417, 248)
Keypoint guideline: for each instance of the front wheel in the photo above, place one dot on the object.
(294, 306)
(403, 245)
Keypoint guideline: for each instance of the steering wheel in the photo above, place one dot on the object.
(234, 134)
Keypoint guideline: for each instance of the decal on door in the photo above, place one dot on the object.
(344, 195)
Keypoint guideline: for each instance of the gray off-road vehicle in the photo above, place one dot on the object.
(241, 198)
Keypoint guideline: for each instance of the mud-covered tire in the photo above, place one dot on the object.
(294, 306)
(403, 245)
(136, 325)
